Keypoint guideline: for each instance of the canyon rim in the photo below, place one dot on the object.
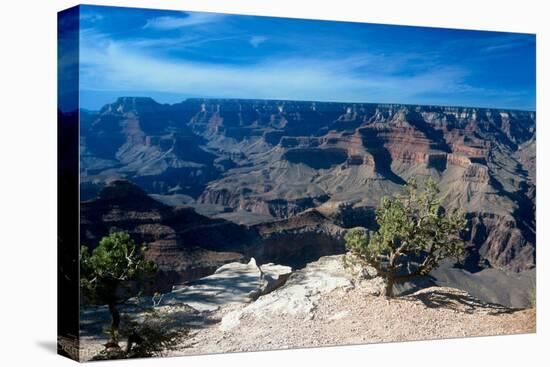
(224, 160)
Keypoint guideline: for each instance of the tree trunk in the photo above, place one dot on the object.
(390, 281)
(115, 322)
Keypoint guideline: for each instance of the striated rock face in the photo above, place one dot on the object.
(184, 244)
(526, 155)
(147, 142)
(187, 246)
(253, 162)
(498, 238)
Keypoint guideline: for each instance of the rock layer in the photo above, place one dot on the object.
(255, 161)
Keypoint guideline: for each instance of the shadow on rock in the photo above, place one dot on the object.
(457, 301)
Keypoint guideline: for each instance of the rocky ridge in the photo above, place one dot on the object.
(187, 246)
(254, 162)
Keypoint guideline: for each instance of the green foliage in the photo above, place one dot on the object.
(357, 240)
(152, 335)
(115, 265)
(149, 334)
(410, 224)
(112, 273)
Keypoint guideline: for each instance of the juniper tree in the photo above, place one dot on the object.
(112, 273)
(414, 234)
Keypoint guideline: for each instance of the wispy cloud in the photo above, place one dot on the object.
(91, 17)
(185, 41)
(505, 43)
(110, 65)
(185, 20)
(256, 41)
(216, 55)
(492, 44)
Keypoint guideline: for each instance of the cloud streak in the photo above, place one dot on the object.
(216, 55)
(115, 66)
(256, 41)
(182, 21)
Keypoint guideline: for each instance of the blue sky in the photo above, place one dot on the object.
(172, 55)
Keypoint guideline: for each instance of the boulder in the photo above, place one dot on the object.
(273, 276)
(299, 295)
(231, 283)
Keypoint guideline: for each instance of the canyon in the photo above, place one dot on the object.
(206, 182)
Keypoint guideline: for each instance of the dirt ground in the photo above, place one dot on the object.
(355, 317)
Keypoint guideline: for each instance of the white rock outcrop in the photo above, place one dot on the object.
(299, 295)
(231, 283)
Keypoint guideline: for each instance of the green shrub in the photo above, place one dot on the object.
(112, 273)
(409, 226)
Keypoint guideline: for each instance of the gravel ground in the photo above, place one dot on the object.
(325, 304)
(354, 316)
